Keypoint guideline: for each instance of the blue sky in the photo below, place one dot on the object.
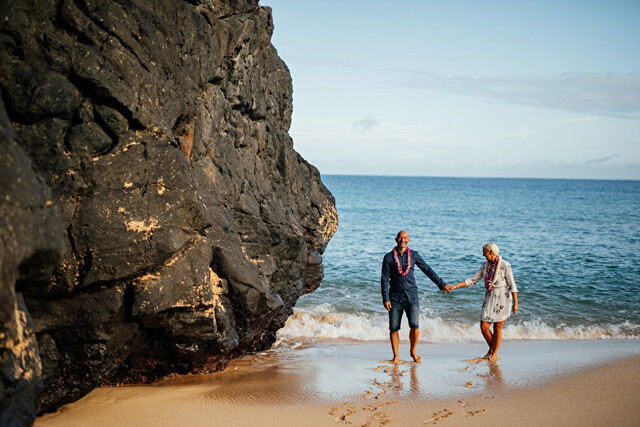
(464, 88)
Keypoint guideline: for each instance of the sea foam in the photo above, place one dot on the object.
(374, 327)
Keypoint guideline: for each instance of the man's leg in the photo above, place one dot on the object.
(395, 316)
(413, 316)
(395, 341)
(414, 334)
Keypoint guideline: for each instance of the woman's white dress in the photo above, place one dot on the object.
(497, 302)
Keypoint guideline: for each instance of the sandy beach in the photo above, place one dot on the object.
(327, 383)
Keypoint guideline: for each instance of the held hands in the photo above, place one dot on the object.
(447, 289)
(456, 286)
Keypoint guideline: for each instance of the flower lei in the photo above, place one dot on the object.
(491, 272)
(395, 256)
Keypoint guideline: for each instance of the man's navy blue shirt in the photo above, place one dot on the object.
(393, 285)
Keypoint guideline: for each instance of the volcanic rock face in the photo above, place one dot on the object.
(182, 225)
(31, 242)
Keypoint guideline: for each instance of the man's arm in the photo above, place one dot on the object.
(384, 284)
(431, 274)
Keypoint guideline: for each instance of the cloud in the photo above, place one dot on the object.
(601, 160)
(365, 125)
(606, 94)
(589, 93)
(595, 168)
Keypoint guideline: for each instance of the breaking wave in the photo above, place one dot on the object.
(374, 327)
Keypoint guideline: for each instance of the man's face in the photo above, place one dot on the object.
(402, 240)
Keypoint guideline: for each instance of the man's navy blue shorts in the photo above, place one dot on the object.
(400, 306)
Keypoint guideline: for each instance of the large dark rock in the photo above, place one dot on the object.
(31, 243)
(183, 227)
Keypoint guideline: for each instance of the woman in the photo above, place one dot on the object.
(500, 299)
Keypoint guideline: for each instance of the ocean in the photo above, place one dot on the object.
(574, 247)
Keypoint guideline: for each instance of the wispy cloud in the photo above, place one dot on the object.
(606, 94)
(601, 160)
(590, 93)
(365, 125)
(601, 168)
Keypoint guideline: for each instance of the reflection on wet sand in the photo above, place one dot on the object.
(393, 383)
(493, 378)
(342, 383)
(387, 383)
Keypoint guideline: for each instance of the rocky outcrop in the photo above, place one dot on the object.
(182, 225)
(31, 243)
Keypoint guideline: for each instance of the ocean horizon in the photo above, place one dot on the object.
(572, 244)
(478, 177)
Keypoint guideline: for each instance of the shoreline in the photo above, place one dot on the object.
(590, 382)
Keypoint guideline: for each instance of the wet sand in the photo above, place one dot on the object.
(329, 383)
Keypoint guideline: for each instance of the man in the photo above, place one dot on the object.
(400, 294)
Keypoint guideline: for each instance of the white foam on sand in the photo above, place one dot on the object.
(374, 327)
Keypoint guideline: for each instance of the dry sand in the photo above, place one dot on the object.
(563, 383)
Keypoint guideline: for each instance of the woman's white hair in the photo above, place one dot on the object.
(491, 247)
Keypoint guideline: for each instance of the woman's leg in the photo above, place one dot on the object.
(485, 327)
(497, 339)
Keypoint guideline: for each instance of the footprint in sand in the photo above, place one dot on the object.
(485, 396)
(383, 419)
(437, 416)
(463, 403)
(342, 418)
(399, 362)
(469, 384)
(472, 413)
(486, 377)
(382, 393)
(368, 394)
(463, 370)
(392, 370)
(334, 410)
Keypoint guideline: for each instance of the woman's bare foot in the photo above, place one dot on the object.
(493, 358)
(416, 358)
(396, 359)
(487, 356)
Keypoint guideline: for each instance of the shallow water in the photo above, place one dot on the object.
(338, 371)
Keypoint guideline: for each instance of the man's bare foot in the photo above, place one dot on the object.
(416, 358)
(493, 358)
(487, 356)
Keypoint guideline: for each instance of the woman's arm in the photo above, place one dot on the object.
(511, 283)
(462, 284)
(471, 281)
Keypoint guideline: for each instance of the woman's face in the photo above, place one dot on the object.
(488, 255)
